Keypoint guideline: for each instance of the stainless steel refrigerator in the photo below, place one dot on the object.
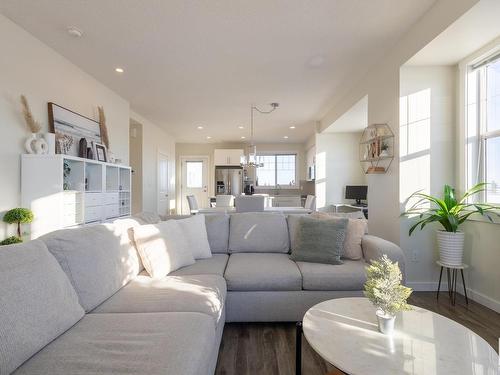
(229, 180)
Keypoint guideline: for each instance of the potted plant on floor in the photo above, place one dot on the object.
(450, 212)
(383, 288)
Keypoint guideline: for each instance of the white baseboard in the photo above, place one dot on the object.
(431, 286)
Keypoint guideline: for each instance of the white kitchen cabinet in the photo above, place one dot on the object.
(88, 192)
(227, 157)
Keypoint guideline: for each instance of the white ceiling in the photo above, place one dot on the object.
(477, 27)
(354, 120)
(190, 63)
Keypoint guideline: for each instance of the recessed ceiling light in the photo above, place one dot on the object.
(119, 70)
(242, 137)
(241, 127)
(286, 136)
(209, 137)
(316, 61)
(292, 127)
(199, 127)
(74, 32)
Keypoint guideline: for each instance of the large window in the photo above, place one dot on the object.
(277, 170)
(483, 127)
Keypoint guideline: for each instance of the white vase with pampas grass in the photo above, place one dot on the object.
(33, 144)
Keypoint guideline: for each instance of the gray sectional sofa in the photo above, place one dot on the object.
(78, 301)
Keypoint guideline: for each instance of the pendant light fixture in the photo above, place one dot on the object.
(250, 157)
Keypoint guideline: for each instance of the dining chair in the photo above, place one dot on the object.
(250, 203)
(310, 203)
(193, 204)
(224, 201)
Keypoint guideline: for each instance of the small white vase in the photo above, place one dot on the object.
(35, 145)
(385, 322)
(50, 138)
(29, 144)
(451, 247)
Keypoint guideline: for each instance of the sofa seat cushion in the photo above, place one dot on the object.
(160, 343)
(348, 276)
(216, 265)
(37, 302)
(258, 232)
(203, 294)
(257, 271)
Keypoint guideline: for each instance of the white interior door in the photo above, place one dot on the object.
(163, 191)
(194, 181)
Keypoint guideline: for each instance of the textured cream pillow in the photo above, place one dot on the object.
(163, 248)
(356, 229)
(195, 232)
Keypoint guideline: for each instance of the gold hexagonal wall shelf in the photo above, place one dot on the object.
(376, 148)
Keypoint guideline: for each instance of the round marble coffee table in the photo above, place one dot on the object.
(344, 332)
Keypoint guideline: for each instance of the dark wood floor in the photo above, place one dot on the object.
(269, 348)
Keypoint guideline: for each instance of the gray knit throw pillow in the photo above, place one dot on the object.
(319, 241)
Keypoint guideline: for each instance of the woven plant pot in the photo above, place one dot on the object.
(451, 247)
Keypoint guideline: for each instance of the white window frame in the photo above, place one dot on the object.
(483, 135)
(276, 186)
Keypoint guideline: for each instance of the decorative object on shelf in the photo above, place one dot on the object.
(18, 216)
(383, 288)
(90, 152)
(64, 143)
(66, 174)
(82, 148)
(11, 241)
(100, 152)
(250, 159)
(69, 127)
(376, 148)
(33, 144)
(50, 138)
(103, 127)
(450, 212)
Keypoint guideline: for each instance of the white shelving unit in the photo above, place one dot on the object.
(66, 191)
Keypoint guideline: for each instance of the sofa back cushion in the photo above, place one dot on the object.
(255, 232)
(194, 231)
(163, 248)
(218, 232)
(37, 302)
(99, 260)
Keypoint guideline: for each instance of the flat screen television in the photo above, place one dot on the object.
(356, 192)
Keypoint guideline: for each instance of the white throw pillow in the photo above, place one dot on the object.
(195, 231)
(163, 248)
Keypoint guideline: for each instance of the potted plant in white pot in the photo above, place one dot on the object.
(383, 288)
(450, 212)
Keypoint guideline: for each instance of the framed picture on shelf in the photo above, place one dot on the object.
(70, 127)
(100, 152)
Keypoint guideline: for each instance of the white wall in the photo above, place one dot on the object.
(381, 84)
(432, 166)
(337, 165)
(155, 140)
(29, 67)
